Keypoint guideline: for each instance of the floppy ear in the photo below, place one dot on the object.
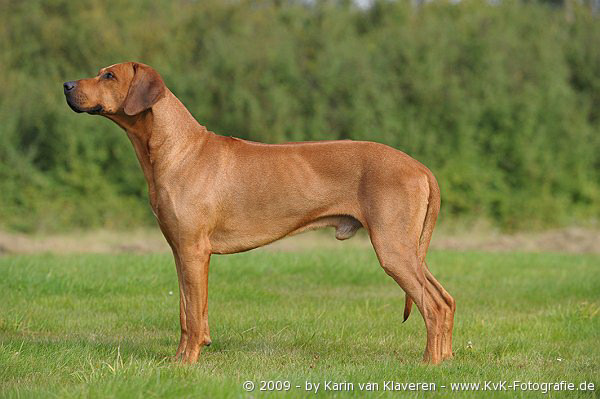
(146, 88)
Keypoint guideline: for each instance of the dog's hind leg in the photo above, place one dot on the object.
(400, 261)
(449, 309)
(401, 237)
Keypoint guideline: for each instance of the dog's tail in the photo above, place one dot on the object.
(407, 307)
(433, 209)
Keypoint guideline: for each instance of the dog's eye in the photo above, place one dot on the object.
(108, 75)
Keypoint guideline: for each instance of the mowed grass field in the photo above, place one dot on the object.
(105, 325)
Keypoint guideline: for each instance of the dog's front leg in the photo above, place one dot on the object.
(207, 340)
(194, 261)
(182, 318)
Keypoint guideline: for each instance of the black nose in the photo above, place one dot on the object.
(68, 86)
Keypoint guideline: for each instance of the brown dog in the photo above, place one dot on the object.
(220, 195)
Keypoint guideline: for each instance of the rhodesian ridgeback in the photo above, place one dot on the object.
(220, 195)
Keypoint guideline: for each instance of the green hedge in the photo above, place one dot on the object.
(502, 101)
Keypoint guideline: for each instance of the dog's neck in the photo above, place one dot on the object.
(167, 122)
(160, 132)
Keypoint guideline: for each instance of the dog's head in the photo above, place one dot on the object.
(128, 88)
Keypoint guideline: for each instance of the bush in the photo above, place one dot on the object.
(500, 101)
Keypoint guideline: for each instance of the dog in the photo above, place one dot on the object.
(220, 195)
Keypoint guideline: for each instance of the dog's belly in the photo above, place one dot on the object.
(239, 240)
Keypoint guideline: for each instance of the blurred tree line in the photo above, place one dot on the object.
(501, 100)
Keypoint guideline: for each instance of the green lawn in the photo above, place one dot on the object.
(105, 325)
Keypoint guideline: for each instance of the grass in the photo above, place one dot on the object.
(104, 325)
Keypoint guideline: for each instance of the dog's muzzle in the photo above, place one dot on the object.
(69, 89)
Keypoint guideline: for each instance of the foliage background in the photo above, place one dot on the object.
(501, 101)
